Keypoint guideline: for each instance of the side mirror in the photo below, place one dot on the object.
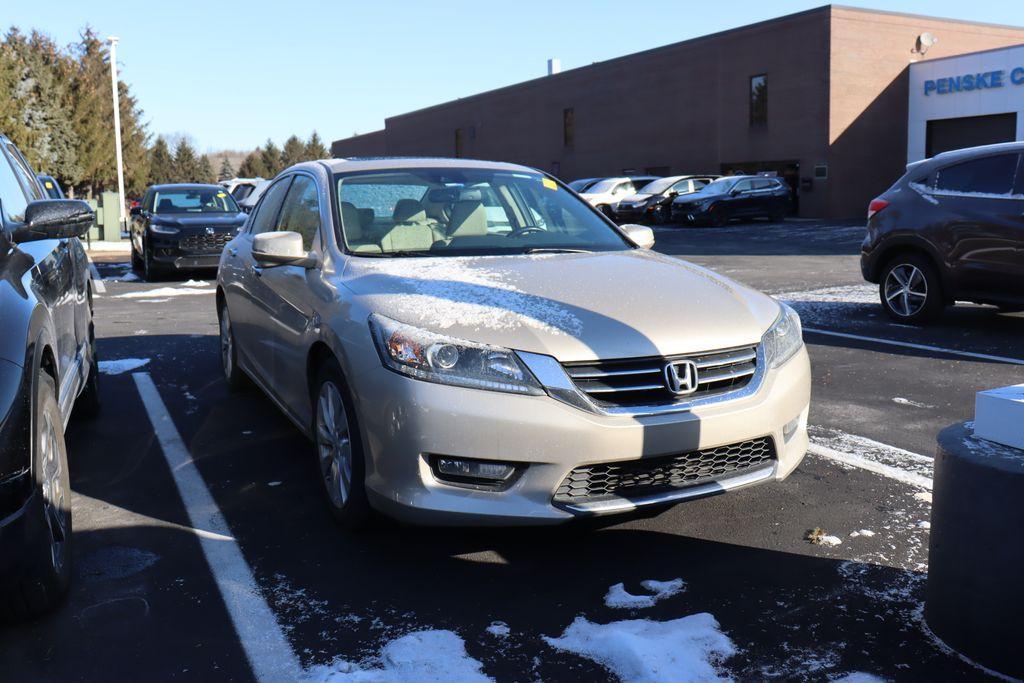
(135, 211)
(282, 249)
(54, 219)
(640, 235)
(735, 193)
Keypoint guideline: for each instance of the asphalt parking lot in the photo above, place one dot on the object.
(146, 605)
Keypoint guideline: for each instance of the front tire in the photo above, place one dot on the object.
(339, 451)
(717, 216)
(44, 574)
(150, 270)
(233, 375)
(910, 290)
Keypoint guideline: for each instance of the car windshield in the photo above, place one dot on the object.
(463, 211)
(602, 186)
(213, 200)
(658, 186)
(582, 184)
(718, 186)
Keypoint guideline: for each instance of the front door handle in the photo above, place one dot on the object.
(256, 270)
(232, 251)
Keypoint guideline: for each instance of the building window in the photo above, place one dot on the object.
(568, 127)
(758, 100)
(458, 143)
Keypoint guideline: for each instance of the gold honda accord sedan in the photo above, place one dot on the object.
(469, 342)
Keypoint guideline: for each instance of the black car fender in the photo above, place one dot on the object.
(883, 251)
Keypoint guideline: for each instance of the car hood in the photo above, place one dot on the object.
(571, 306)
(636, 198)
(698, 197)
(200, 220)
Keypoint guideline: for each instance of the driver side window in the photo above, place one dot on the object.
(265, 219)
(12, 196)
(743, 186)
(301, 211)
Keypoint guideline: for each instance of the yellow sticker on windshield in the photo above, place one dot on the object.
(49, 185)
(549, 183)
(221, 194)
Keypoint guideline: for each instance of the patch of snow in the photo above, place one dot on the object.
(499, 629)
(858, 677)
(195, 283)
(862, 532)
(645, 651)
(619, 598)
(831, 306)
(924, 496)
(122, 365)
(127, 277)
(907, 402)
(924, 525)
(858, 451)
(274, 483)
(925, 192)
(445, 292)
(163, 292)
(140, 332)
(152, 301)
(424, 656)
(829, 541)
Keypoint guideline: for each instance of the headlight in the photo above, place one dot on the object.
(436, 358)
(784, 338)
(163, 229)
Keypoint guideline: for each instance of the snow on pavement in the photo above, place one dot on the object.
(434, 656)
(165, 292)
(122, 365)
(619, 598)
(640, 651)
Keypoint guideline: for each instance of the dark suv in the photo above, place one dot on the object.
(721, 201)
(47, 367)
(181, 227)
(951, 229)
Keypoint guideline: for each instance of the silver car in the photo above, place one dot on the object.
(470, 343)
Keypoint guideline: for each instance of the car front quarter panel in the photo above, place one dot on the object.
(15, 437)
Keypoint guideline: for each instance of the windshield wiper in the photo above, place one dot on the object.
(556, 250)
(396, 254)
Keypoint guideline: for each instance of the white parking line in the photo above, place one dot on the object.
(265, 644)
(96, 279)
(863, 463)
(921, 347)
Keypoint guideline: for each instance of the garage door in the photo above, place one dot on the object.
(969, 131)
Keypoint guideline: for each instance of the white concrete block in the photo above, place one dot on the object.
(999, 415)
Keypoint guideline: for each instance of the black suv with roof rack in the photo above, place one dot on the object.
(951, 229)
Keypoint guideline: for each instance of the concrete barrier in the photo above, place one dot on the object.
(974, 600)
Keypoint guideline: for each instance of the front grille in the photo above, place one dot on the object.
(655, 475)
(641, 381)
(205, 243)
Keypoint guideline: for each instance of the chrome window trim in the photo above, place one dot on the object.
(556, 381)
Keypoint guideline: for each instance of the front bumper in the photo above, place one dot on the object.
(688, 213)
(405, 421)
(187, 251)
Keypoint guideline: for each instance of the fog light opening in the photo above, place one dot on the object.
(474, 473)
(790, 429)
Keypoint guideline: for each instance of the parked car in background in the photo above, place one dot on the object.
(582, 184)
(734, 197)
(653, 202)
(182, 227)
(240, 188)
(607, 192)
(47, 367)
(50, 186)
(247, 203)
(458, 366)
(951, 229)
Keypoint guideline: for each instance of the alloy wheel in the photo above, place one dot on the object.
(52, 485)
(334, 444)
(906, 289)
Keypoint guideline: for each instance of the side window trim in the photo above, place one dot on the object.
(318, 238)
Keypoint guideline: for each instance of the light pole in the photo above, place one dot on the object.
(117, 133)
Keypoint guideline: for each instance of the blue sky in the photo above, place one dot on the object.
(233, 74)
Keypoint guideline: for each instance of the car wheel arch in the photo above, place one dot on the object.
(904, 249)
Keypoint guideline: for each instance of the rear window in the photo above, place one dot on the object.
(989, 175)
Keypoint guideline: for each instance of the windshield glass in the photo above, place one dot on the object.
(603, 186)
(582, 184)
(718, 186)
(460, 212)
(213, 200)
(658, 186)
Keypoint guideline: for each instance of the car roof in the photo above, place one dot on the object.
(968, 152)
(187, 186)
(350, 164)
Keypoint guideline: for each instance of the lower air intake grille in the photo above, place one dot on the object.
(205, 243)
(655, 475)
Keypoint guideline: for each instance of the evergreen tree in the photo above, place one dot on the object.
(293, 152)
(315, 148)
(205, 171)
(270, 155)
(186, 164)
(134, 144)
(161, 163)
(226, 170)
(252, 166)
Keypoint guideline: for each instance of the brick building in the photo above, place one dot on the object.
(820, 97)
